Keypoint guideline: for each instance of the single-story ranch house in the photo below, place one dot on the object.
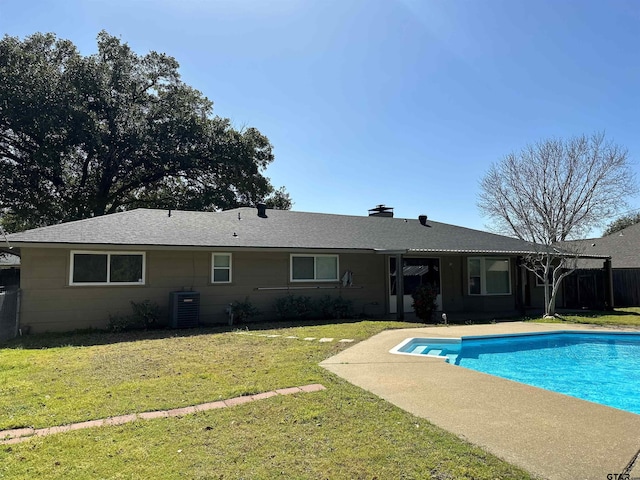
(74, 275)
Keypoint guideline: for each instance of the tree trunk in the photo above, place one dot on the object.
(551, 306)
(550, 300)
(548, 308)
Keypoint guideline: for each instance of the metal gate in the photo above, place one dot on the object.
(9, 308)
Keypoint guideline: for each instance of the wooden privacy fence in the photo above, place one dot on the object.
(626, 287)
(585, 288)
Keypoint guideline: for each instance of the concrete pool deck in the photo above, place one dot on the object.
(550, 435)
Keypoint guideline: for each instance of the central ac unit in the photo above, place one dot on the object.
(184, 309)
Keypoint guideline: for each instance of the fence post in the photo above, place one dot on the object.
(608, 275)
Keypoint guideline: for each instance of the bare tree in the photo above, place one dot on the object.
(551, 265)
(552, 191)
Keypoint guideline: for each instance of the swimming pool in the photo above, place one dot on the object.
(601, 367)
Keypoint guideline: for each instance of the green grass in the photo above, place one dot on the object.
(342, 432)
(621, 317)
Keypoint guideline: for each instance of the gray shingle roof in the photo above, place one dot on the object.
(622, 246)
(9, 260)
(281, 229)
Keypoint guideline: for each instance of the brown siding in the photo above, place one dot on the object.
(536, 292)
(50, 304)
(453, 284)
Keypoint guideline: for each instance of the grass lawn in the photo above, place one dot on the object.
(341, 432)
(623, 317)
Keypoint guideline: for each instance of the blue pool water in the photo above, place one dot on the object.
(598, 367)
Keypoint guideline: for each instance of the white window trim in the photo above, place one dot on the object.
(483, 277)
(315, 273)
(213, 267)
(108, 253)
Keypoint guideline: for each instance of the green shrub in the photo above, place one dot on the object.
(424, 302)
(119, 323)
(332, 307)
(146, 315)
(291, 307)
(242, 311)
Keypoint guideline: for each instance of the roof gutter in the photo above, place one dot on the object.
(503, 252)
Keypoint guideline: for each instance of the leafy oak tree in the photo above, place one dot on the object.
(621, 223)
(83, 136)
(552, 191)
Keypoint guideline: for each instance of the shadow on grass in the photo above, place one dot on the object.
(91, 337)
(86, 338)
(596, 313)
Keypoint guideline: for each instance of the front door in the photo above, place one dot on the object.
(415, 272)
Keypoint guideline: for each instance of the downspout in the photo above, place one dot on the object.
(608, 275)
(399, 288)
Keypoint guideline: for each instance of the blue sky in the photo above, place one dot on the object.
(401, 102)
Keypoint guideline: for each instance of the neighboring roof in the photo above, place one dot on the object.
(8, 260)
(242, 227)
(622, 246)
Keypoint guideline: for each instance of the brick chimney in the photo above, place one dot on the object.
(262, 210)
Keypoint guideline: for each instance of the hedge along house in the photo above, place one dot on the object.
(75, 275)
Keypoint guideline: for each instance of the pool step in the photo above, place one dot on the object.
(427, 350)
(448, 350)
(420, 349)
(452, 357)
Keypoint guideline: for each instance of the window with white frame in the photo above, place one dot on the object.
(220, 268)
(489, 276)
(107, 268)
(318, 268)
